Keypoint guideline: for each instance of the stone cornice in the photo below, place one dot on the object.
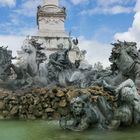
(42, 14)
(58, 11)
(56, 49)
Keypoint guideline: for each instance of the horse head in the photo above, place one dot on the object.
(131, 48)
(123, 55)
(116, 50)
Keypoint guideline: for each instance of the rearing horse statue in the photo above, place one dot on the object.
(125, 57)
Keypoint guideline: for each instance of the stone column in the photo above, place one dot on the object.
(51, 2)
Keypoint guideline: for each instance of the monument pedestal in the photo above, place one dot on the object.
(51, 31)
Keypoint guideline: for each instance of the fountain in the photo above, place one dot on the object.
(52, 80)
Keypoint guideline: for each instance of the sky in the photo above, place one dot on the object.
(96, 23)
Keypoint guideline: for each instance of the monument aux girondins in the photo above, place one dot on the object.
(52, 79)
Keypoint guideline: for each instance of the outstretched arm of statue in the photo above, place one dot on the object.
(56, 63)
(108, 86)
(83, 125)
(69, 123)
(70, 44)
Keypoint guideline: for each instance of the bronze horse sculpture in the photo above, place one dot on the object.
(125, 63)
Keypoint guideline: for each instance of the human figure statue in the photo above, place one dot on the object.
(5, 63)
(128, 104)
(86, 114)
(58, 63)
